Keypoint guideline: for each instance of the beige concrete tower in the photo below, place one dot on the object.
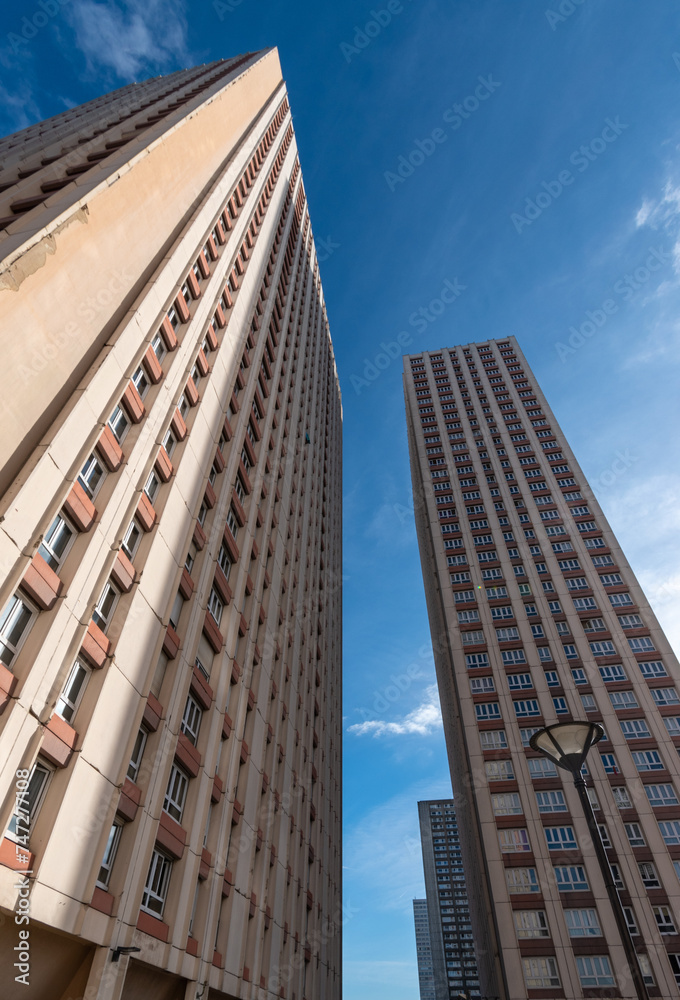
(170, 533)
(537, 618)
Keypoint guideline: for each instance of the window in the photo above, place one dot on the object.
(468, 617)
(118, 423)
(91, 476)
(630, 621)
(526, 708)
(652, 668)
(526, 734)
(570, 651)
(512, 656)
(629, 914)
(634, 729)
(537, 631)
(562, 628)
(672, 724)
(176, 793)
(611, 675)
(603, 648)
(494, 739)
(661, 795)
(540, 973)
(544, 654)
(646, 969)
(506, 804)
(520, 682)
(72, 692)
(109, 855)
(531, 924)
(103, 611)
(191, 720)
(232, 523)
(594, 625)
(56, 542)
(560, 838)
(224, 560)
(582, 923)
(140, 381)
(584, 603)
(648, 872)
(664, 919)
(476, 660)
(555, 607)
(499, 770)
(549, 802)
(14, 626)
(621, 797)
(503, 612)
(131, 539)
(472, 638)
(176, 610)
(541, 767)
(512, 841)
(670, 831)
(151, 486)
(522, 880)
(571, 878)
(665, 696)
(215, 606)
(482, 685)
(594, 970)
(623, 699)
(560, 705)
(579, 675)
(643, 644)
(158, 346)
(30, 795)
(620, 600)
(648, 760)
(487, 710)
(609, 763)
(137, 754)
(156, 888)
(169, 443)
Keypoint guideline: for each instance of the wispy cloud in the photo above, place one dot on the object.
(139, 37)
(663, 214)
(387, 840)
(421, 721)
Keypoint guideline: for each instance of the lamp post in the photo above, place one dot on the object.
(567, 745)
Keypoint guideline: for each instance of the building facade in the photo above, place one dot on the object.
(423, 950)
(537, 618)
(170, 543)
(451, 957)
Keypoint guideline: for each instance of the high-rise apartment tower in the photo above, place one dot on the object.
(453, 967)
(170, 551)
(423, 950)
(536, 618)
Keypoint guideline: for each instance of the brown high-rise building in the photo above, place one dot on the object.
(170, 463)
(537, 618)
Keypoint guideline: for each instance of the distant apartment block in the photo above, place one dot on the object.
(536, 617)
(170, 543)
(451, 954)
(423, 950)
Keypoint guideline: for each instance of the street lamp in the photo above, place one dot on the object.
(567, 745)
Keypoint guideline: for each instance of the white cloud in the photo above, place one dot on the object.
(643, 212)
(421, 721)
(141, 37)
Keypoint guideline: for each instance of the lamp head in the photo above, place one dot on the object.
(567, 743)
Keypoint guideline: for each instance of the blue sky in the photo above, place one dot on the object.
(593, 91)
